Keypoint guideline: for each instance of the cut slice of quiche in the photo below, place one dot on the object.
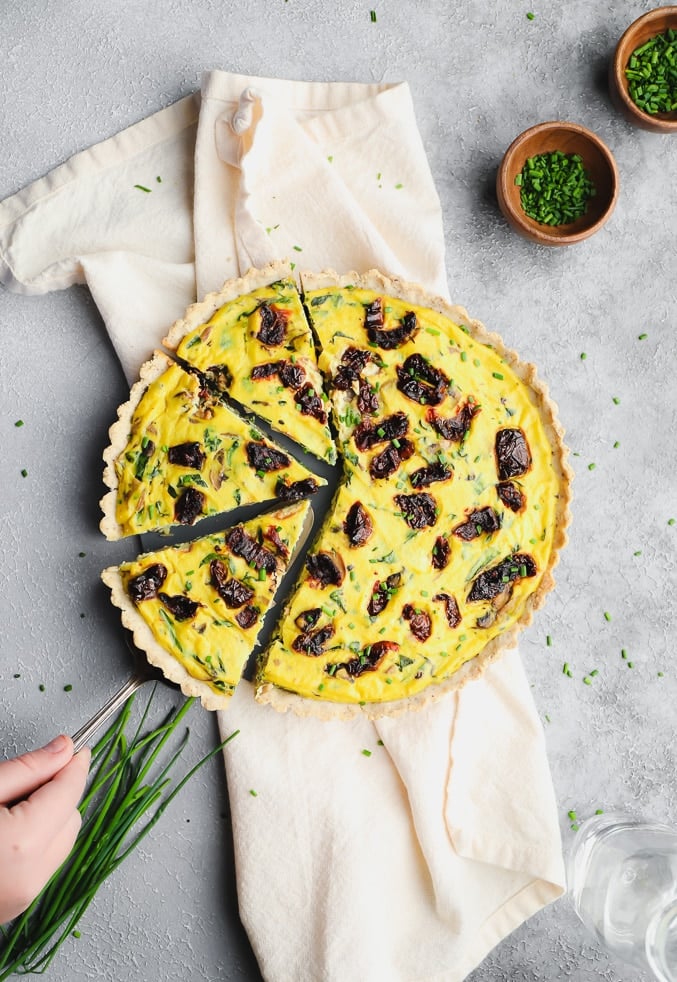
(178, 454)
(442, 538)
(252, 340)
(197, 609)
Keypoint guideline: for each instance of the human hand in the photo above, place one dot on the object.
(39, 820)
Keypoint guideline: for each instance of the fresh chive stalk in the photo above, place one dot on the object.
(127, 793)
(555, 188)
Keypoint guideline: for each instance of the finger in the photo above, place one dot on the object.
(18, 895)
(21, 776)
(48, 809)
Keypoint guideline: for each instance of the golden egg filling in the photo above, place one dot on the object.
(451, 504)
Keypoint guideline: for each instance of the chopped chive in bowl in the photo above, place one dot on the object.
(555, 188)
(652, 74)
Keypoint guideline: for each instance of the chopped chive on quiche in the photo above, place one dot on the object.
(442, 537)
(196, 609)
(252, 340)
(449, 508)
(178, 454)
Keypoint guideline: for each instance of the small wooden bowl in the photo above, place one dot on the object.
(598, 161)
(654, 22)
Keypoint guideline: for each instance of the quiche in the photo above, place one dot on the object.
(448, 508)
(449, 517)
(252, 340)
(196, 609)
(178, 454)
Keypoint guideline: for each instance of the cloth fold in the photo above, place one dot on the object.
(403, 849)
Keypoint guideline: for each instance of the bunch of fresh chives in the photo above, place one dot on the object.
(555, 188)
(652, 74)
(126, 795)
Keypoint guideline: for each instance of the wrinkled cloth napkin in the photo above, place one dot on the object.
(401, 850)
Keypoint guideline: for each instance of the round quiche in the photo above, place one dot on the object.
(452, 497)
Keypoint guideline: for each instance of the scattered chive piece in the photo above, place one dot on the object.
(642, 337)
(252, 793)
(380, 743)
(77, 934)
(298, 249)
(638, 552)
(671, 521)
(624, 653)
(24, 472)
(19, 422)
(566, 670)
(660, 675)
(591, 467)
(142, 188)
(498, 375)
(372, 15)
(572, 815)
(82, 554)
(41, 687)
(607, 615)
(530, 16)
(587, 680)
(616, 444)
(631, 664)
(547, 718)
(398, 187)
(650, 71)
(68, 688)
(331, 159)
(616, 400)
(583, 356)
(17, 675)
(548, 640)
(599, 811)
(158, 179)
(367, 753)
(555, 188)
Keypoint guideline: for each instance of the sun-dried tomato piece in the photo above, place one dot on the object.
(368, 434)
(511, 496)
(382, 593)
(308, 618)
(418, 510)
(421, 382)
(264, 458)
(451, 611)
(309, 403)
(441, 553)
(220, 376)
(456, 427)
(296, 490)
(146, 584)
(481, 520)
(188, 454)
(188, 506)
(353, 361)
(272, 535)
(266, 370)
(420, 624)
(367, 398)
(358, 525)
(181, 607)
(326, 569)
(291, 376)
(384, 464)
(423, 477)
(248, 616)
(313, 643)
(490, 582)
(242, 544)
(232, 591)
(395, 337)
(513, 457)
(273, 325)
(367, 661)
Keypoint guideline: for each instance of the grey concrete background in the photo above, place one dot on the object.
(480, 72)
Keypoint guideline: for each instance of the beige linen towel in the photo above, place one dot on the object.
(402, 850)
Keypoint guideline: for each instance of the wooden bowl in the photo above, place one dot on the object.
(598, 161)
(654, 22)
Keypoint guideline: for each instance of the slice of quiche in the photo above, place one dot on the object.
(178, 454)
(442, 539)
(252, 340)
(197, 609)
